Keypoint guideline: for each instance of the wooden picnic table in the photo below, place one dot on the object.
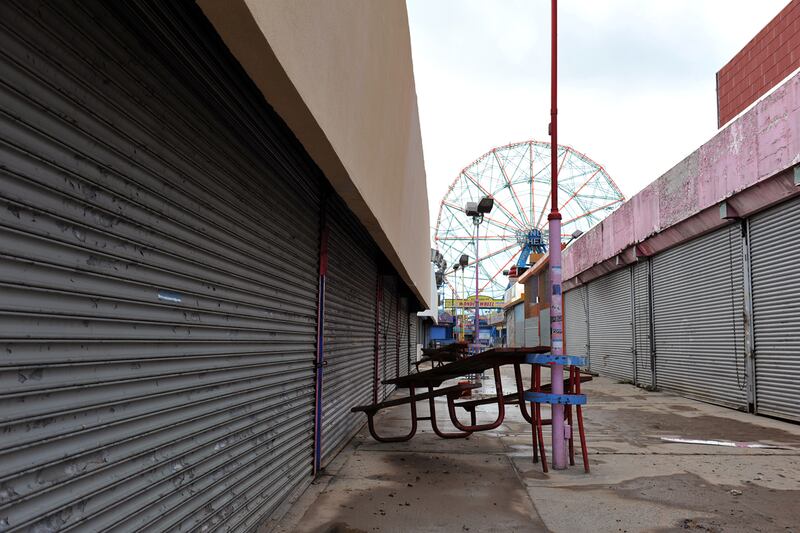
(453, 347)
(476, 364)
(495, 358)
(443, 354)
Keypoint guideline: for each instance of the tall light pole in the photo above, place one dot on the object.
(476, 211)
(463, 261)
(554, 219)
(455, 296)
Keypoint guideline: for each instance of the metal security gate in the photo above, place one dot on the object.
(403, 326)
(413, 337)
(697, 312)
(576, 321)
(349, 327)
(774, 245)
(519, 325)
(532, 331)
(610, 324)
(642, 334)
(158, 268)
(389, 347)
(511, 327)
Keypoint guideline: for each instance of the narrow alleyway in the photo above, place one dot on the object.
(638, 482)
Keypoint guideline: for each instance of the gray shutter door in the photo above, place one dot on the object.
(405, 349)
(544, 327)
(389, 353)
(576, 321)
(413, 337)
(643, 372)
(697, 311)
(511, 328)
(519, 325)
(610, 324)
(158, 258)
(349, 324)
(774, 245)
(531, 331)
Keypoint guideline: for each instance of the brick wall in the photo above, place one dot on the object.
(769, 57)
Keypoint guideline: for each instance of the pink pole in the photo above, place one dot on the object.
(476, 335)
(554, 218)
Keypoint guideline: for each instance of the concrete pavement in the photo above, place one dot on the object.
(638, 482)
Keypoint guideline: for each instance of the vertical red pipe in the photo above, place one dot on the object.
(554, 218)
(397, 339)
(376, 362)
(320, 355)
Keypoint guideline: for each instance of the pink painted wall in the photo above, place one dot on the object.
(755, 147)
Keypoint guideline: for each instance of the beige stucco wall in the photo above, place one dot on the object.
(340, 74)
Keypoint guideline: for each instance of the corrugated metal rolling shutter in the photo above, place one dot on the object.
(544, 327)
(405, 349)
(610, 324)
(519, 325)
(349, 325)
(414, 340)
(643, 372)
(576, 321)
(159, 240)
(531, 331)
(774, 245)
(697, 311)
(511, 328)
(389, 354)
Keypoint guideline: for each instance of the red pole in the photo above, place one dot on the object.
(554, 218)
(378, 332)
(397, 339)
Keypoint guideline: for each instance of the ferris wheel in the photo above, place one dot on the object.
(517, 177)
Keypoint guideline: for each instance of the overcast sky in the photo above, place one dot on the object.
(636, 78)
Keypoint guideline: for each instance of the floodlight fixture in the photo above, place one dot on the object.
(575, 234)
(464, 260)
(485, 205)
(471, 209)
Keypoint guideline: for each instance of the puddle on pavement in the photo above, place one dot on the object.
(634, 425)
(682, 408)
(719, 508)
(594, 395)
(342, 528)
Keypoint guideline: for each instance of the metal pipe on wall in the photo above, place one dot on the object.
(320, 352)
(376, 361)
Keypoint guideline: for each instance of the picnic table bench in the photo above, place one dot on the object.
(448, 353)
(493, 359)
(412, 399)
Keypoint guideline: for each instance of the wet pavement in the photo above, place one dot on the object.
(638, 482)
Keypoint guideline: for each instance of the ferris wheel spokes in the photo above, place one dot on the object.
(579, 189)
(513, 192)
(517, 177)
(496, 202)
(500, 271)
